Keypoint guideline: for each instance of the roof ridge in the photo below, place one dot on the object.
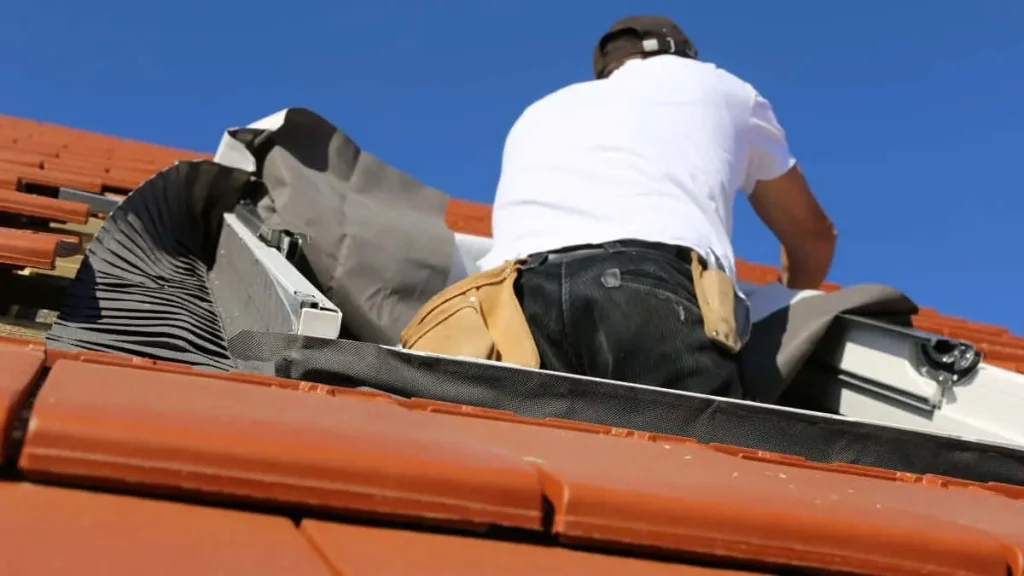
(22, 123)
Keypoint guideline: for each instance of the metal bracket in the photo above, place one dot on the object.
(947, 362)
(312, 314)
(289, 244)
(904, 364)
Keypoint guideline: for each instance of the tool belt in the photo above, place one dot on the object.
(477, 317)
(716, 297)
(480, 316)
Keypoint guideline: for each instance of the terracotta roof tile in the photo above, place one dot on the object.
(365, 551)
(647, 494)
(203, 434)
(8, 181)
(57, 531)
(36, 159)
(26, 248)
(51, 155)
(469, 217)
(167, 429)
(21, 368)
(43, 207)
(19, 159)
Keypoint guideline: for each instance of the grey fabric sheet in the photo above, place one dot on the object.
(379, 247)
(782, 342)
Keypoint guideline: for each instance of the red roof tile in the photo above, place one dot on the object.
(371, 551)
(43, 207)
(27, 248)
(748, 509)
(160, 429)
(202, 434)
(21, 368)
(47, 154)
(57, 531)
(42, 157)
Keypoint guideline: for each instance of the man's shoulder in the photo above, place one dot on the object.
(556, 104)
(723, 78)
(567, 95)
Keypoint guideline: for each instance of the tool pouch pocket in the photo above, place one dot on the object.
(716, 297)
(477, 317)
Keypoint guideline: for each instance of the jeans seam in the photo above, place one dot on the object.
(567, 347)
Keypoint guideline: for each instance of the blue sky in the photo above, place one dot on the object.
(907, 117)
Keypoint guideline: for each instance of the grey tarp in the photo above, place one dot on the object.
(378, 245)
(144, 289)
(781, 342)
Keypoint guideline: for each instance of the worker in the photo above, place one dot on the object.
(611, 189)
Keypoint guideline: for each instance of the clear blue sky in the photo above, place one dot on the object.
(908, 116)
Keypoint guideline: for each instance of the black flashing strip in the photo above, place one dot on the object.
(539, 394)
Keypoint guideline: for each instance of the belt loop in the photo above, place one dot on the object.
(535, 260)
(613, 247)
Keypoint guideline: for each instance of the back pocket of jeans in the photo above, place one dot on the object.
(657, 283)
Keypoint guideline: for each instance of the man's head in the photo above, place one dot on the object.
(639, 37)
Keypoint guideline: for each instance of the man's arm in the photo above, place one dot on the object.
(783, 200)
(788, 207)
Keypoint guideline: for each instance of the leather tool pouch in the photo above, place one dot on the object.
(477, 317)
(717, 300)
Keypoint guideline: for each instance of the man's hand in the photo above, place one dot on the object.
(788, 207)
(784, 266)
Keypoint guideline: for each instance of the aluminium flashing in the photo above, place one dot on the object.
(97, 203)
(909, 378)
(310, 312)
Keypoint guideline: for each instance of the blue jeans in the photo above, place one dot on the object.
(624, 311)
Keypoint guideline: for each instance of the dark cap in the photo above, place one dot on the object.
(640, 36)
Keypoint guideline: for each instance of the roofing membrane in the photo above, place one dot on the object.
(125, 464)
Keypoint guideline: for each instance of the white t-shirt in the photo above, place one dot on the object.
(654, 152)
